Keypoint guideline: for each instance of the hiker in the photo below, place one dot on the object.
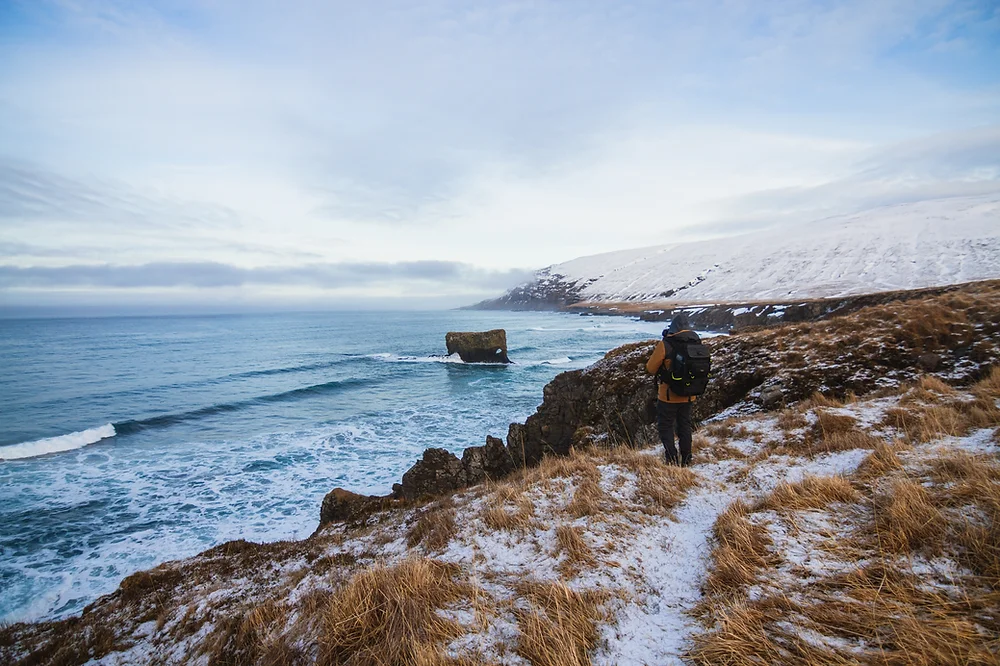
(675, 394)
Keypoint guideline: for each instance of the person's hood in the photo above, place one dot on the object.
(678, 324)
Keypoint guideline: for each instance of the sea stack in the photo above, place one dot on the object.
(479, 347)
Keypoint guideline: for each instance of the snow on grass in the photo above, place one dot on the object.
(595, 524)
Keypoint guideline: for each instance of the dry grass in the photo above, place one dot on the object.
(990, 384)
(935, 385)
(845, 441)
(792, 419)
(818, 400)
(578, 464)
(588, 499)
(829, 424)
(730, 428)
(660, 485)
(886, 614)
(569, 540)
(497, 516)
(388, 616)
(561, 627)
(883, 460)
(812, 492)
(254, 637)
(741, 550)
(434, 529)
(907, 520)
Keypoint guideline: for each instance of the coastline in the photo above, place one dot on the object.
(796, 360)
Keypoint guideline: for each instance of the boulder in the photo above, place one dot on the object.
(437, 472)
(341, 505)
(930, 362)
(479, 347)
(771, 398)
(487, 462)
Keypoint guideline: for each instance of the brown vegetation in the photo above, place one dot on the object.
(560, 629)
(388, 616)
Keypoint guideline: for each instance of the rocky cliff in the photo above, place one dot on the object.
(884, 341)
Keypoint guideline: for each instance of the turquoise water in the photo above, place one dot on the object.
(136, 440)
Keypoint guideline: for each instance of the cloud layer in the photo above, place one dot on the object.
(322, 143)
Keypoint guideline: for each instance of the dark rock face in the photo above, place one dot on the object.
(341, 505)
(437, 472)
(882, 345)
(492, 461)
(479, 347)
(608, 403)
(930, 362)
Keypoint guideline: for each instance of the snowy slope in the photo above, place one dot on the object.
(906, 246)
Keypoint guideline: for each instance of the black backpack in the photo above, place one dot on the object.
(690, 364)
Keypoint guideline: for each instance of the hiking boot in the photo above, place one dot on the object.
(685, 461)
(670, 457)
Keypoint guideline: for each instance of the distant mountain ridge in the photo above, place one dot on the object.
(899, 247)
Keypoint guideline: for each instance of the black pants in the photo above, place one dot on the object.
(671, 416)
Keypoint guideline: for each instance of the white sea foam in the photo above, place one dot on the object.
(41, 447)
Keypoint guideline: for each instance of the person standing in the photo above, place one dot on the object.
(673, 411)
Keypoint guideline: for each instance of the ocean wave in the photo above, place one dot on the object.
(395, 358)
(41, 447)
(136, 425)
(321, 365)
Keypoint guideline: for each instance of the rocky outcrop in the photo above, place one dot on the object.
(482, 463)
(341, 505)
(479, 347)
(439, 471)
(612, 403)
(955, 333)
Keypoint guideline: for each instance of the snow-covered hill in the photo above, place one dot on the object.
(906, 246)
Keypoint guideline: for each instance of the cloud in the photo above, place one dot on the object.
(29, 193)
(208, 275)
(239, 137)
(949, 164)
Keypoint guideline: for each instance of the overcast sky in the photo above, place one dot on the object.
(433, 153)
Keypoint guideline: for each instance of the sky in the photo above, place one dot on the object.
(222, 154)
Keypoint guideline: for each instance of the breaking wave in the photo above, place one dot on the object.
(41, 447)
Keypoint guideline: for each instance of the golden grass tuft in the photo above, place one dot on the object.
(663, 486)
(497, 516)
(818, 400)
(990, 384)
(587, 499)
(579, 464)
(435, 529)
(741, 550)
(791, 419)
(388, 616)
(883, 460)
(812, 492)
(252, 637)
(569, 540)
(829, 424)
(935, 385)
(845, 441)
(907, 520)
(561, 627)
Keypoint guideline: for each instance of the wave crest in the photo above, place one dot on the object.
(41, 447)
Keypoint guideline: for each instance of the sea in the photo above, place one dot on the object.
(126, 442)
